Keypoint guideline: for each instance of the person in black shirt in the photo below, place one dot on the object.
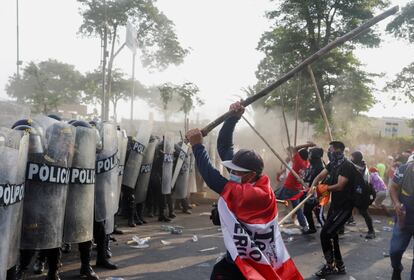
(312, 205)
(358, 160)
(338, 178)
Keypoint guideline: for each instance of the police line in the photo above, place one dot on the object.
(42, 172)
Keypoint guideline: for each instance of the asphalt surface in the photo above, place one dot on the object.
(177, 256)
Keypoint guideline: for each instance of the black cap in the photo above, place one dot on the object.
(246, 160)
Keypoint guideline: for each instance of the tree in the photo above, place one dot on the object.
(185, 95)
(403, 27)
(121, 88)
(46, 85)
(300, 28)
(403, 82)
(156, 36)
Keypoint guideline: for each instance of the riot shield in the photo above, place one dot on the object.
(122, 150)
(47, 179)
(133, 163)
(110, 224)
(182, 154)
(13, 155)
(141, 187)
(80, 200)
(181, 185)
(167, 166)
(192, 184)
(106, 183)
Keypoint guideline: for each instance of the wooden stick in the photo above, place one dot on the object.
(294, 210)
(287, 130)
(297, 112)
(339, 41)
(318, 95)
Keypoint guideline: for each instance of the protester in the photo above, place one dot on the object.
(312, 205)
(340, 178)
(247, 206)
(380, 189)
(402, 195)
(358, 160)
(292, 189)
(381, 169)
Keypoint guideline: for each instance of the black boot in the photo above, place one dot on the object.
(102, 259)
(53, 257)
(53, 275)
(170, 205)
(140, 212)
(12, 273)
(108, 252)
(105, 263)
(86, 271)
(39, 263)
(396, 274)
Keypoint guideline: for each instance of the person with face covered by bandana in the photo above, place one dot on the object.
(358, 160)
(312, 205)
(338, 177)
(246, 199)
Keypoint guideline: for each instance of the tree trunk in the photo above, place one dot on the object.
(115, 104)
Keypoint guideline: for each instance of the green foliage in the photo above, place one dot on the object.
(186, 95)
(403, 82)
(46, 85)
(300, 28)
(403, 25)
(156, 36)
(121, 88)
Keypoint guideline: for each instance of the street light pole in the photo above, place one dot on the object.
(133, 85)
(104, 116)
(18, 42)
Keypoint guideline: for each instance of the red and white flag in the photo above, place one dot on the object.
(248, 216)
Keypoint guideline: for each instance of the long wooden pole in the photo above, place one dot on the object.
(310, 193)
(297, 113)
(318, 95)
(348, 36)
(287, 130)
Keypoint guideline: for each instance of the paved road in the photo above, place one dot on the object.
(182, 259)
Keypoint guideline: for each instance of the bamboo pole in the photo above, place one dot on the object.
(287, 130)
(318, 95)
(295, 141)
(339, 41)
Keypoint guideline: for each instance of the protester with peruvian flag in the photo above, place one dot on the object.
(247, 210)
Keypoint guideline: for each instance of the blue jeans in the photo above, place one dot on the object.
(399, 242)
(285, 193)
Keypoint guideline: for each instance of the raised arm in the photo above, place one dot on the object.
(225, 137)
(211, 176)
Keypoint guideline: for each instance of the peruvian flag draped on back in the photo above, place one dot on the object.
(248, 216)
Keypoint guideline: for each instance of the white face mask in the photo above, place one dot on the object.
(235, 178)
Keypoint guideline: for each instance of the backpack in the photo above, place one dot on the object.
(363, 193)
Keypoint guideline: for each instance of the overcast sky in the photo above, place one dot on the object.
(222, 36)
